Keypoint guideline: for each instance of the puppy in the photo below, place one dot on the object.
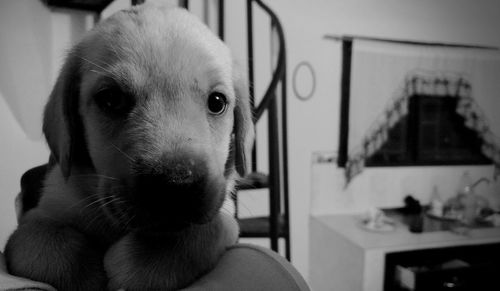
(149, 124)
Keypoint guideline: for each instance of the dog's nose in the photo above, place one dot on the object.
(170, 190)
(172, 177)
(174, 190)
(171, 169)
(180, 171)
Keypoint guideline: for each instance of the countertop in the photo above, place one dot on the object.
(350, 227)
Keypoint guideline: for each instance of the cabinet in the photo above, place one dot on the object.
(343, 256)
(464, 268)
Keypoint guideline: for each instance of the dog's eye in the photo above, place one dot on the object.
(113, 101)
(217, 103)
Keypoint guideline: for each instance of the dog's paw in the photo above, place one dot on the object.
(119, 266)
(170, 261)
(55, 254)
(132, 264)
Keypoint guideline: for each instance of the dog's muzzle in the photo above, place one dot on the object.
(174, 193)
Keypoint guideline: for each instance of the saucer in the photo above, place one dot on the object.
(385, 226)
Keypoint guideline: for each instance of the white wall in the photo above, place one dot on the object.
(314, 124)
(33, 41)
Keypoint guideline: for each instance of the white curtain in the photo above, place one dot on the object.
(384, 75)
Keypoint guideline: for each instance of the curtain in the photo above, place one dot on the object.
(385, 75)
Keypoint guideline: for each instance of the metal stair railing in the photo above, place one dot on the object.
(277, 132)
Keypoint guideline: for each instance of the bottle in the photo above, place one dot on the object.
(464, 185)
(467, 198)
(436, 204)
(413, 209)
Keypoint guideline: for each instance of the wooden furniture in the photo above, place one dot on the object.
(344, 256)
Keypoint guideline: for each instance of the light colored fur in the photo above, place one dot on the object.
(169, 62)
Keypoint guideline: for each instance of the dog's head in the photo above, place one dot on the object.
(151, 103)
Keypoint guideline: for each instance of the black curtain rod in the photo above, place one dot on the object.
(399, 41)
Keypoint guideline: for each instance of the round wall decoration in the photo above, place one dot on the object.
(304, 81)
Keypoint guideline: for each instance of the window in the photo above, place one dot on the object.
(432, 133)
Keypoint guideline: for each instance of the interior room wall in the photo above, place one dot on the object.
(314, 124)
(33, 43)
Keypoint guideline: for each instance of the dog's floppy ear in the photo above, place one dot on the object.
(243, 123)
(61, 122)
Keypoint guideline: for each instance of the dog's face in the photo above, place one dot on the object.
(151, 103)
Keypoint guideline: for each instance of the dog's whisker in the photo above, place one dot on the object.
(96, 220)
(114, 200)
(122, 217)
(97, 65)
(116, 217)
(122, 214)
(104, 204)
(86, 199)
(99, 200)
(122, 152)
(114, 48)
(245, 183)
(97, 72)
(102, 207)
(93, 196)
(228, 211)
(132, 215)
(95, 217)
(127, 223)
(245, 207)
(88, 206)
(96, 176)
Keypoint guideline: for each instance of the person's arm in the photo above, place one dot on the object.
(247, 267)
